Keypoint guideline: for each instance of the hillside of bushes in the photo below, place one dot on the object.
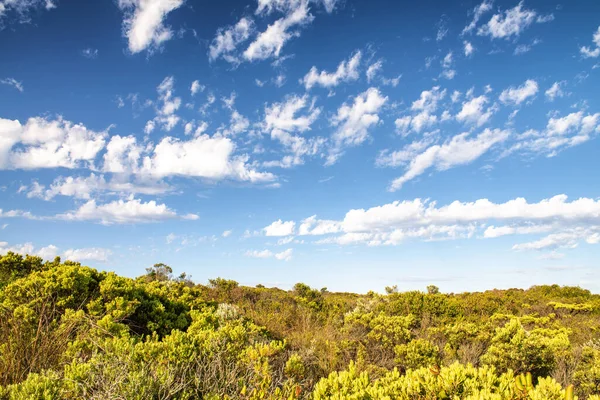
(71, 332)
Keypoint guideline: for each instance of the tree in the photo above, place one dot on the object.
(391, 289)
(159, 272)
(432, 289)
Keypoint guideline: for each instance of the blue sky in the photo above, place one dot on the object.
(347, 144)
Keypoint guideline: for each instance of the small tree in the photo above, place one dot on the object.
(159, 272)
(432, 289)
(391, 289)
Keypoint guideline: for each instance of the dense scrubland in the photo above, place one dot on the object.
(69, 332)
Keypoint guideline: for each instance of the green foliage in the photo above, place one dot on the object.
(587, 374)
(535, 351)
(68, 331)
(417, 353)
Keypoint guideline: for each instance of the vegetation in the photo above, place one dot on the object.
(69, 331)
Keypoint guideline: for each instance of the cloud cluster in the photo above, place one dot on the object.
(566, 223)
(270, 42)
(283, 122)
(123, 212)
(51, 251)
(352, 121)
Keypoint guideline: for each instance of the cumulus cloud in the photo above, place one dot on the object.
(354, 120)
(280, 228)
(555, 90)
(346, 71)
(227, 39)
(196, 87)
(560, 133)
(123, 212)
(269, 43)
(167, 106)
(517, 95)
(592, 52)
(509, 23)
(474, 112)
(283, 122)
(51, 251)
(143, 23)
(566, 222)
(43, 143)
(429, 99)
(460, 150)
(468, 48)
(203, 156)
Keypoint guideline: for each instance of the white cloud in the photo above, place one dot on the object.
(227, 40)
(447, 60)
(477, 12)
(525, 48)
(259, 254)
(196, 87)
(591, 52)
(404, 156)
(12, 82)
(473, 111)
(353, 121)
(143, 23)
(517, 95)
(26, 248)
(85, 187)
(568, 239)
(510, 23)
(16, 214)
(429, 99)
(227, 233)
(391, 224)
(168, 105)
(48, 144)
(313, 226)
(346, 71)
(48, 252)
(468, 48)
(282, 122)
(285, 255)
(459, 150)
(123, 212)
(23, 8)
(203, 156)
(270, 42)
(416, 123)
(88, 254)
(560, 133)
(280, 228)
(555, 91)
(283, 115)
(373, 70)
